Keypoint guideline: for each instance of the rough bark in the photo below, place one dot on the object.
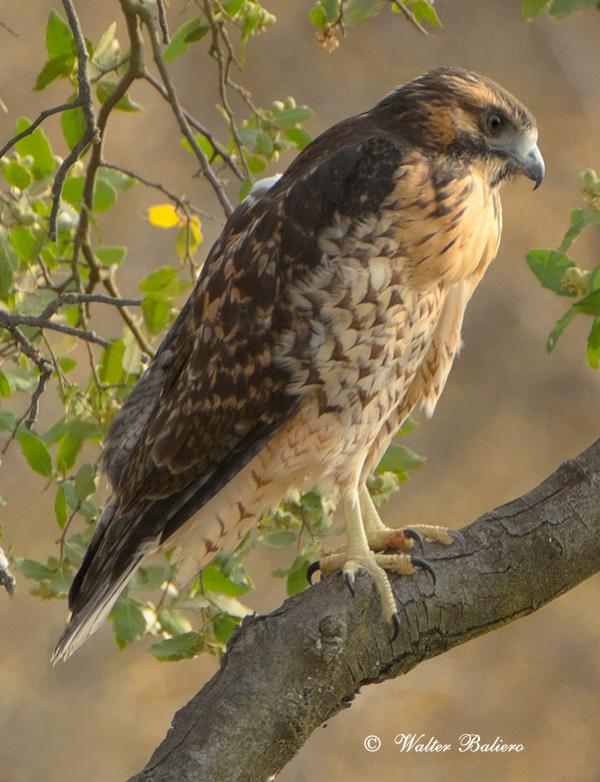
(286, 673)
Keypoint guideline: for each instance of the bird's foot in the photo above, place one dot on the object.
(375, 565)
(435, 534)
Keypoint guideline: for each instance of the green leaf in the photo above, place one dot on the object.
(156, 311)
(192, 30)
(35, 452)
(85, 483)
(580, 218)
(158, 280)
(60, 507)
(111, 366)
(150, 577)
(590, 304)
(8, 420)
(59, 39)
(71, 440)
(32, 569)
(425, 12)
(21, 378)
(232, 7)
(593, 345)
(298, 136)
(67, 364)
(16, 174)
(358, 11)
(117, 179)
(398, 459)
(560, 325)
(331, 8)
(106, 88)
(278, 539)
(532, 8)
(35, 303)
(5, 389)
(245, 188)
(23, 243)
(229, 604)
(128, 620)
(549, 267)
(8, 267)
(560, 9)
(57, 66)
(288, 117)
(213, 580)
(223, 627)
(296, 577)
(173, 621)
(108, 51)
(38, 146)
(318, 17)
(73, 190)
(73, 125)
(256, 164)
(105, 194)
(182, 647)
(204, 145)
(110, 255)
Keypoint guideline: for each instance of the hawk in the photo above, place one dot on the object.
(328, 309)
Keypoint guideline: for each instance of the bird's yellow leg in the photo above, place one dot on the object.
(358, 556)
(381, 537)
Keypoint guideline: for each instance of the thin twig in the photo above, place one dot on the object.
(30, 128)
(162, 20)
(180, 202)
(85, 298)
(9, 29)
(223, 67)
(32, 413)
(184, 126)
(10, 322)
(409, 15)
(90, 135)
(197, 125)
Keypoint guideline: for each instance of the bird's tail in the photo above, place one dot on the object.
(108, 563)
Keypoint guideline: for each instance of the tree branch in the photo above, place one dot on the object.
(286, 673)
(38, 121)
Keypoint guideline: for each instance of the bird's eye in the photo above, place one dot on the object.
(494, 123)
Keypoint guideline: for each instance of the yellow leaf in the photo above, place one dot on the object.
(163, 216)
(196, 232)
(189, 238)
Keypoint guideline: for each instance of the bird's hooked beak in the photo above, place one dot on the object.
(527, 158)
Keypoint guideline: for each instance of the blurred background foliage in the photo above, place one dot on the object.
(72, 345)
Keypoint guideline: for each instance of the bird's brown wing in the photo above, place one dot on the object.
(228, 397)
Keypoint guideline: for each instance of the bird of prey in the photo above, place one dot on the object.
(329, 308)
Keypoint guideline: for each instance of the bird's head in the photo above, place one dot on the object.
(459, 113)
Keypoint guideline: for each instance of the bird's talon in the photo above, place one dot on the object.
(311, 570)
(349, 578)
(457, 534)
(414, 535)
(422, 565)
(395, 625)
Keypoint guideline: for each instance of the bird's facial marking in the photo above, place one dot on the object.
(469, 118)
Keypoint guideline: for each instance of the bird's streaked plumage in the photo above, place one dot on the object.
(330, 307)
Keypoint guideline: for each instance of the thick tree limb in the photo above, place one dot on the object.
(286, 673)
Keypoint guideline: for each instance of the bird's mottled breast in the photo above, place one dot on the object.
(370, 308)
